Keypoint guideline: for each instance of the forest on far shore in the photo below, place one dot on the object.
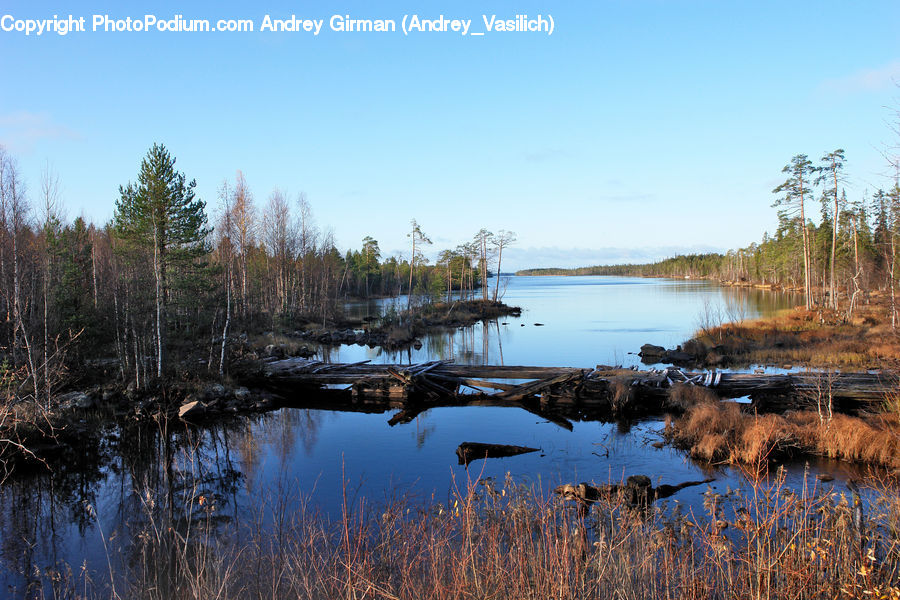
(852, 249)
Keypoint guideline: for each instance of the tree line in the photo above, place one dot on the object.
(164, 288)
(852, 249)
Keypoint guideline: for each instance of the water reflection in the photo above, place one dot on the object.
(584, 321)
(129, 489)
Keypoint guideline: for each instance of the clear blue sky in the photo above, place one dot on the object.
(635, 130)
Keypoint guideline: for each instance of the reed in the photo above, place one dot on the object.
(493, 540)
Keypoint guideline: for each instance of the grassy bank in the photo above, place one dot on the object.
(509, 542)
(722, 433)
(820, 338)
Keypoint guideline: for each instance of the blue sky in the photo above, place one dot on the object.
(634, 131)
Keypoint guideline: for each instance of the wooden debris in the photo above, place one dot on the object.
(469, 451)
(556, 393)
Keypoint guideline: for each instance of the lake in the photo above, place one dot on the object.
(296, 456)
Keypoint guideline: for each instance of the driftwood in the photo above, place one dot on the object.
(469, 451)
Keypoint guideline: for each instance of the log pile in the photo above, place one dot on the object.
(562, 393)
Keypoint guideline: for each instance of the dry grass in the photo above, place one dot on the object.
(683, 396)
(762, 542)
(813, 338)
(722, 433)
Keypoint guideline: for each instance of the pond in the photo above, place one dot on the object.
(295, 456)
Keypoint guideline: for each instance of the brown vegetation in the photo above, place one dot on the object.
(764, 542)
(721, 432)
(813, 338)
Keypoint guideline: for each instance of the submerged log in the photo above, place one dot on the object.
(469, 451)
(636, 491)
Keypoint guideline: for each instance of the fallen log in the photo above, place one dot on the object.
(469, 451)
(617, 392)
(530, 389)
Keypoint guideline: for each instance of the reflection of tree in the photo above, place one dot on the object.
(181, 495)
(140, 485)
(248, 450)
(485, 342)
(281, 429)
(423, 429)
(39, 507)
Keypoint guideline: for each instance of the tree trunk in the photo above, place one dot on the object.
(160, 272)
(834, 226)
(499, 259)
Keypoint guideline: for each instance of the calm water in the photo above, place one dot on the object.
(322, 455)
(585, 321)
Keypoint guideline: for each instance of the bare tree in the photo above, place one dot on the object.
(243, 219)
(15, 207)
(483, 240)
(51, 218)
(417, 238)
(501, 240)
(225, 232)
(277, 237)
(307, 235)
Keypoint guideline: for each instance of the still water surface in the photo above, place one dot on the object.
(322, 455)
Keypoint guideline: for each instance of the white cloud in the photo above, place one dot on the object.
(20, 131)
(866, 80)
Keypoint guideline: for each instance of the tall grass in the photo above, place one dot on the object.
(507, 541)
(721, 432)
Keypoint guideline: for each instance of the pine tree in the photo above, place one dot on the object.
(830, 174)
(161, 216)
(795, 190)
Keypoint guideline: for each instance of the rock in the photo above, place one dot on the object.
(678, 357)
(191, 409)
(216, 390)
(242, 394)
(272, 350)
(652, 350)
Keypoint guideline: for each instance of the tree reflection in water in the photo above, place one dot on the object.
(121, 505)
